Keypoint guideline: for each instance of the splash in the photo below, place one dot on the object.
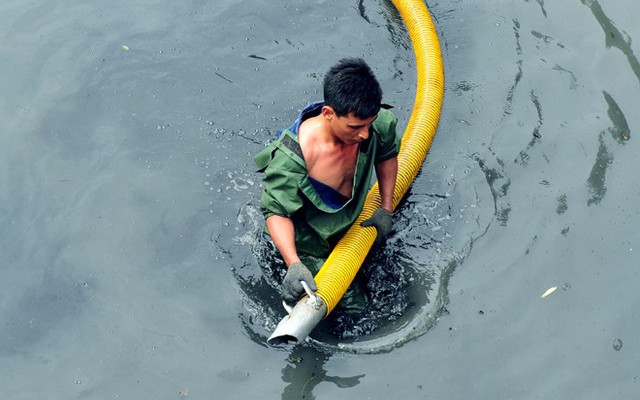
(406, 282)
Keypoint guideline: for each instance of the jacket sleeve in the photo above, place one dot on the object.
(385, 125)
(280, 192)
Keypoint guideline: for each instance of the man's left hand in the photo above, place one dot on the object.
(383, 221)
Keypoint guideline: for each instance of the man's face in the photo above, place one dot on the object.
(351, 129)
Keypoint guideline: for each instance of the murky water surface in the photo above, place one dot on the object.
(132, 256)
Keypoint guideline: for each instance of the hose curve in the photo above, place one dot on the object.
(343, 263)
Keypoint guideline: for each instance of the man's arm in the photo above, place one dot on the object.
(387, 172)
(283, 235)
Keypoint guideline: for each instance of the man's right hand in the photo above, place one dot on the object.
(291, 287)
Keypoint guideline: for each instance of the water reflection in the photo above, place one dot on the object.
(40, 308)
(573, 81)
(499, 184)
(614, 37)
(596, 180)
(541, 3)
(620, 129)
(305, 369)
(604, 157)
(523, 156)
(509, 103)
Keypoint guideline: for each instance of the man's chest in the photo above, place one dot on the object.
(335, 169)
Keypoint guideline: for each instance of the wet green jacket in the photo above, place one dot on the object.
(288, 192)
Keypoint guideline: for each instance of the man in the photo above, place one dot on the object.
(318, 172)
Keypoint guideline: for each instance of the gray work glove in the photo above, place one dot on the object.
(291, 287)
(383, 221)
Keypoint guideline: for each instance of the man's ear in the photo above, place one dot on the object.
(328, 112)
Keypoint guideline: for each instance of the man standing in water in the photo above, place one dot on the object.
(318, 172)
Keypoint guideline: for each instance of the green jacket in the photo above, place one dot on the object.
(288, 192)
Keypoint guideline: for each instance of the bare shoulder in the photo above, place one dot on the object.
(309, 136)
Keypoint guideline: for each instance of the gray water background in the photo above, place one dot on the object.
(128, 200)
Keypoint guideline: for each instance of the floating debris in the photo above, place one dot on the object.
(617, 344)
(549, 291)
(223, 77)
(124, 47)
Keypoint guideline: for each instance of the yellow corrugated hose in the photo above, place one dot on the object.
(343, 263)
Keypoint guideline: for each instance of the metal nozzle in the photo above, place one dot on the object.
(301, 319)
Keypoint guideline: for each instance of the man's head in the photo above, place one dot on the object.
(351, 87)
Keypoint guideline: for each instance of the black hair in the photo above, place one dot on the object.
(350, 86)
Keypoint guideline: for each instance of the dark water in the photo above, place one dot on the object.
(130, 247)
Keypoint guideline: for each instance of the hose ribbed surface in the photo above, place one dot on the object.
(343, 263)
